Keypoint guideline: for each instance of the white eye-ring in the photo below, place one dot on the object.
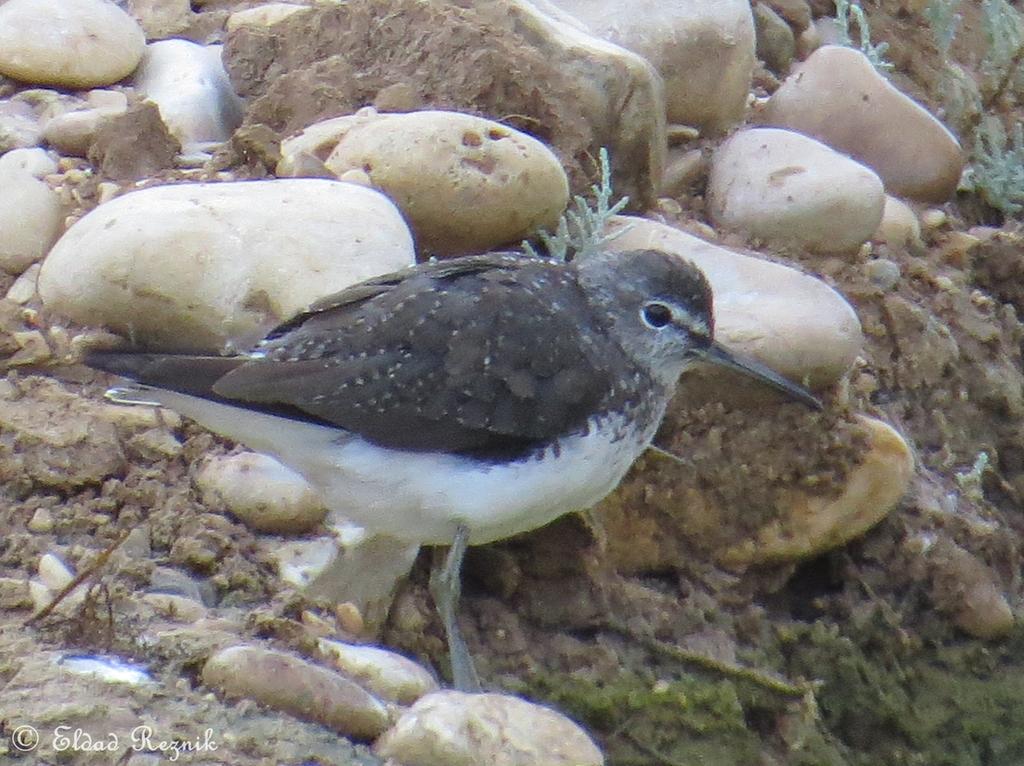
(656, 315)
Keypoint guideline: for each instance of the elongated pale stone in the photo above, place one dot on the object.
(837, 97)
(296, 686)
(264, 494)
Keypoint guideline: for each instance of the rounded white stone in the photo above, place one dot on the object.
(794, 323)
(36, 162)
(465, 184)
(262, 493)
(209, 267)
(703, 50)
(72, 43)
(899, 227)
(450, 727)
(838, 97)
(387, 674)
(189, 85)
(31, 215)
(787, 188)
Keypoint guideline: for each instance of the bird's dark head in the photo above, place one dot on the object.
(661, 311)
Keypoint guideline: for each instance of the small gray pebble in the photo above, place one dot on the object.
(883, 273)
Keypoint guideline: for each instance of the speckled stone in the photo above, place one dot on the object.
(786, 188)
(387, 674)
(464, 183)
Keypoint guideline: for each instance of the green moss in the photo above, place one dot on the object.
(686, 720)
(953, 705)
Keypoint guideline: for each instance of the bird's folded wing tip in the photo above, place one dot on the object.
(136, 395)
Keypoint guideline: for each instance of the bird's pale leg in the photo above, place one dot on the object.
(446, 587)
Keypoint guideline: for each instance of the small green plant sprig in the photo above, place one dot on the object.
(944, 20)
(997, 167)
(847, 11)
(996, 172)
(581, 229)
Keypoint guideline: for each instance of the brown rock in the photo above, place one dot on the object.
(837, 97)
(747, 493)
(500, 59)
(965, 588)
(809, 524)
(133, 145)
(797, 13)
(776, 43)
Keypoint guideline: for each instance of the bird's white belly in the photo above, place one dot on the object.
(424, 496)
(421, 496)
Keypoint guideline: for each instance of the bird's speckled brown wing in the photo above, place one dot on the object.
(479, 355)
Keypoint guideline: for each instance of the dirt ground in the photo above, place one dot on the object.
(860, 656)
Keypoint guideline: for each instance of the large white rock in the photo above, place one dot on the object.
(794, 323)
(215, 266)
(703, 50)
(787, 188)
(72, 43)
(264, 494)
(449, 728)
(31, 214)
(839, 98)
(466, 184)
(189, 85)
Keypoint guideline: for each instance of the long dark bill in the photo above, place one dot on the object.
(720, 355)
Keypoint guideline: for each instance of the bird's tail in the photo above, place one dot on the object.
(186, 373)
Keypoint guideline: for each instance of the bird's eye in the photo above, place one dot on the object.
(656, 315)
